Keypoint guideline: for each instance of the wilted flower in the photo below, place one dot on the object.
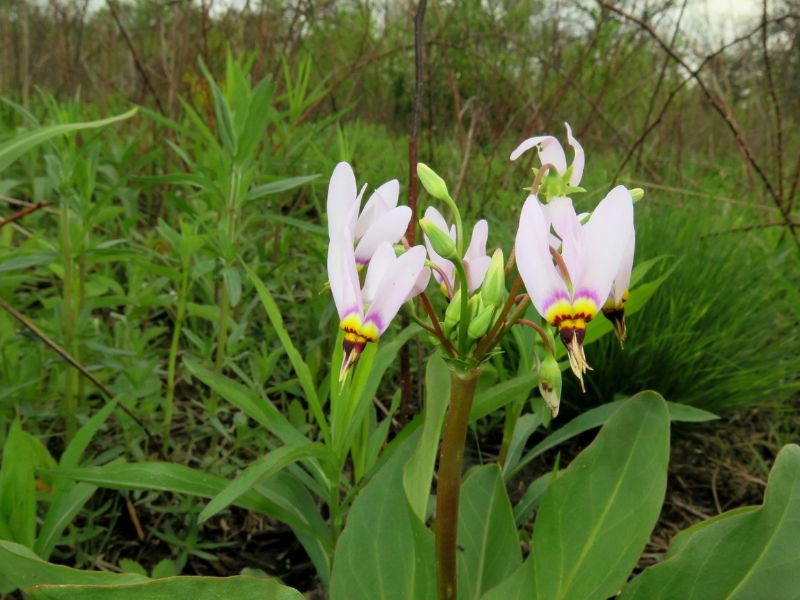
(475, 260)
(381, 220)
(569, 292)
(551, 152)
(365, 313)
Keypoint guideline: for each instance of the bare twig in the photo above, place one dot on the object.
(719, 106)
(776, 105)
(139, 66)
(30, 326)
(25, 211)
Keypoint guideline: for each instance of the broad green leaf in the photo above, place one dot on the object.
(418, 471)
(516, 587)
(689, 414)
(233, 284)
(489, 400)
(299, 365)
(530, 500)
(384, 552)
(487, 535)
(20, 144)
(67, 503)
(682, 537)
(583, 422)
(172, 588)
(21, 569)
(267, 466)
(27, 260)
(595, 520)
(751, 554)
(523, 429)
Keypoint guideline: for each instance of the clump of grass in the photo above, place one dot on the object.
(719, 333)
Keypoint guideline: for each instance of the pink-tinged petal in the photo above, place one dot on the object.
(566, 225)
(342, 274)
(380, 202)
(445, 265)
(379, 265)
(605, 238)
(550, 151)
(476, 271)
(578, 161)
(477, 244)
(623, 277)
(341, 198)
(393, 290)
(421, 283)
(535, 264)
(389, 228)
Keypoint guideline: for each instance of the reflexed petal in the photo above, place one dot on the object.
(534, 261)
(342, 274)
(341, 198)
(476, 271)
(623, 277)
(394, 288)
(566, 225)
(550, 151)
(445, 265)
(381, 262)
(578, 161)
(605, 238)
(477, 244)
(380, 202)
(389, 228)
(421, 283)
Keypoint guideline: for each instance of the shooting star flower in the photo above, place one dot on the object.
(366, 312)
(568, 288)
(381, 220)
(476, 261)
(551, 152)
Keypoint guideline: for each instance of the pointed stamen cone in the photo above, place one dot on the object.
(352, 350)
(573, 340)
(617, 318)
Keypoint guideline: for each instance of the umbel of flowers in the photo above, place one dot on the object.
(573, 267)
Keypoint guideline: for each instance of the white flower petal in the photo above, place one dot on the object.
(566, 225)
(395, 287)
(380, 202)
(477, 244)
(535, 264)
(550, 151)
(579, 159)
(379, 265)
(420, 284)
(605, 238)
(389, 228)
(623, 277)
(444, 264)
(342, 274)
(341, 198)
(476, 271)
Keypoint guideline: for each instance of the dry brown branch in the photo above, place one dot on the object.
(719, 106)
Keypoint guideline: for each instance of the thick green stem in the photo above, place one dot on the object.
(451, 460)
(463, 332)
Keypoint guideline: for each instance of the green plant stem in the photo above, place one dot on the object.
(463, 332)
(173, 356)
(451, 459)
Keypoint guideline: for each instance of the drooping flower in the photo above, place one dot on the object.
(614, 308)
(381, 220)
(568, 288)
(550, 151)
(366, 312)
(476, 261)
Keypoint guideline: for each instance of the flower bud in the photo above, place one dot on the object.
(637, 194)
(493, 288)
(441, 241)
(452, 314)
(550, 383)
(431, 181)
(481, 322)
